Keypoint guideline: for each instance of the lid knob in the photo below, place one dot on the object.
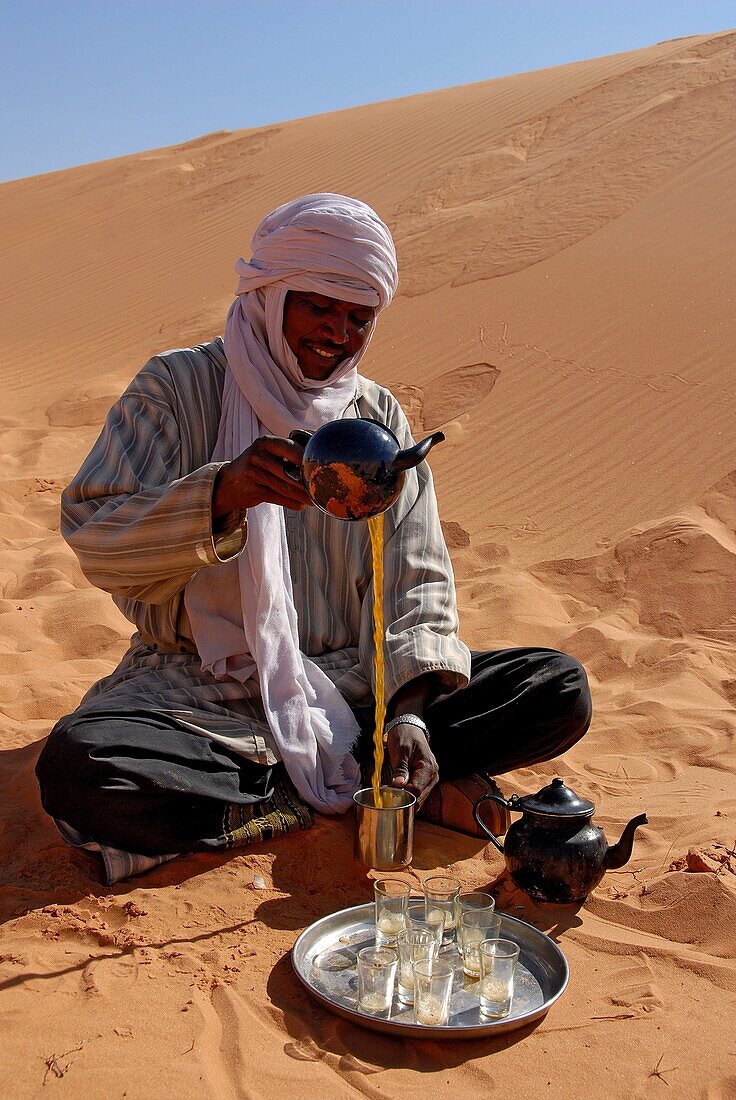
(557, 800)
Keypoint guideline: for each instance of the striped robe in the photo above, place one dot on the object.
(138, 517)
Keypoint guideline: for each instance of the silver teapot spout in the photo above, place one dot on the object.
(555, 852)
(619, 854)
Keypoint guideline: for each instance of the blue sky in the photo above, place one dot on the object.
(82, 80)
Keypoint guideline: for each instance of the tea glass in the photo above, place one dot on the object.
(414, 946)
(416, 918)
(432, 991)
(376, 978)
(440, 894)
(391, 896)
(498, 959)
(475, 926)
(472, 901)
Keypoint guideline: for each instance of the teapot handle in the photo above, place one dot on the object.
(502, 802)
(302, 437)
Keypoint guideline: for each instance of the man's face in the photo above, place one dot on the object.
(323, 332)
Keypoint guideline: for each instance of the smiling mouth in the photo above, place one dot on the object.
(322, 353)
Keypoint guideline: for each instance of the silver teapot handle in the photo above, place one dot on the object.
(476, 814)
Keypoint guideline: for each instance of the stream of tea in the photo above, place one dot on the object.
(375, 526)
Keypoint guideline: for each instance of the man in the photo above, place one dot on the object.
(241, 700)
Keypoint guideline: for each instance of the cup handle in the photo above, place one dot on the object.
(502, 802)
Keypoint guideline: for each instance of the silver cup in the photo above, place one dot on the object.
(384, 835)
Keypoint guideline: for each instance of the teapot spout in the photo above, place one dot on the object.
(412, 456)
(619, 854)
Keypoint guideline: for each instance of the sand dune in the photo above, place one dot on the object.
(565, 316)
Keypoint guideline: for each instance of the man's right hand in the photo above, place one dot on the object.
(258, 476)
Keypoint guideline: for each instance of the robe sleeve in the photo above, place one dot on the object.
(139, 525)
(420, 606)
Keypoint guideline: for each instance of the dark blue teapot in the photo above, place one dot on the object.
(354, 468)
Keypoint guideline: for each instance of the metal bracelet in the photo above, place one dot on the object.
(409, 720)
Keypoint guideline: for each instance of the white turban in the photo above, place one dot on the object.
(337, 247)
(324, 244)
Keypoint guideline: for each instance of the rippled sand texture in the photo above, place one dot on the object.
(566, 317)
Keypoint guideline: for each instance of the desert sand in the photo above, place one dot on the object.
(566, 315)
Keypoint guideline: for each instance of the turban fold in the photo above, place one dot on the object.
(328, 240)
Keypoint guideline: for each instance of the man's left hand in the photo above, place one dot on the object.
(413, 765)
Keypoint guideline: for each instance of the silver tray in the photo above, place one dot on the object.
(324, 958)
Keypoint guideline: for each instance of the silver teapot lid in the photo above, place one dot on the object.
(555, 800)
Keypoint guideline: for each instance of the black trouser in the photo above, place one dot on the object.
(142, 783)
(520, 707)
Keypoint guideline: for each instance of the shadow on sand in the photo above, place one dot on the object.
(318, 1034)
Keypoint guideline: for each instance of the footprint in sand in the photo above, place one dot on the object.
(625, 770)
(457, 392)
(456, 537)
(89, 984)
(350, 1064)
(89, 407)
(114, 915)
(447, 397)
(599, 781)
(304, 1050)
(634, 988)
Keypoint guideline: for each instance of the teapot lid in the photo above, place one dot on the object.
(556, 800)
